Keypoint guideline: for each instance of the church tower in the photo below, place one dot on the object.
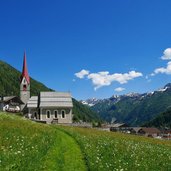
(24, 84)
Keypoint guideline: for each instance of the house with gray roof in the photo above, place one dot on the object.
(51, 107)
(10, 103)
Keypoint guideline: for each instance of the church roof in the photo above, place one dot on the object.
(50, 99)
(25, 70)
(55, 99)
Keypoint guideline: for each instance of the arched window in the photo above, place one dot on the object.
(56, 114)
(63, 113)
(24, 87)
(48, 114)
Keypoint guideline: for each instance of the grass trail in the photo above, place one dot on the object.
(29, 146)
(65, 155)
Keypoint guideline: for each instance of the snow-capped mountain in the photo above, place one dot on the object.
(90, 102)
(132, 108)
(116, 98)
(132, 94)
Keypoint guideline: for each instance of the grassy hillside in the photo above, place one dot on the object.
(26, 145)
(161, 121)
(10, 81)
(9, 85)
(32, 146)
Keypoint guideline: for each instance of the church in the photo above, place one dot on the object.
(50, 107)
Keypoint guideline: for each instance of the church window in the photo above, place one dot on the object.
(24, 87)
(63, 113)
(48, 114)
(56, 113)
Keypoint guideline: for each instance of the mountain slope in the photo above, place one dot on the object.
(161, 121)
(84, 113)
(135, 109)
(150, 107)
(10, 83)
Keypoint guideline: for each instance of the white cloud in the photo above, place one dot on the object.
(166, 54)
(101, 79)
(167, 69)
(163, 70)
(119, 89)
(82, 73)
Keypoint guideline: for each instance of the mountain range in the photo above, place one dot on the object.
(134, 109)
(10, 85)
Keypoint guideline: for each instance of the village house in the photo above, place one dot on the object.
(10, 103)
(115, 127)
(142, 131)
(148, 132)
(121, 127)
(166, 134)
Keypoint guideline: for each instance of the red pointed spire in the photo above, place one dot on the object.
(25, 71)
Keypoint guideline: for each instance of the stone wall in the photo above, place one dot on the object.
(43, 114)
(67, 118)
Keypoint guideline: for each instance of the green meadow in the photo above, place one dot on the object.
(26, 145)
(121, 152)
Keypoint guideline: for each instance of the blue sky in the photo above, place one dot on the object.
(62, 38)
